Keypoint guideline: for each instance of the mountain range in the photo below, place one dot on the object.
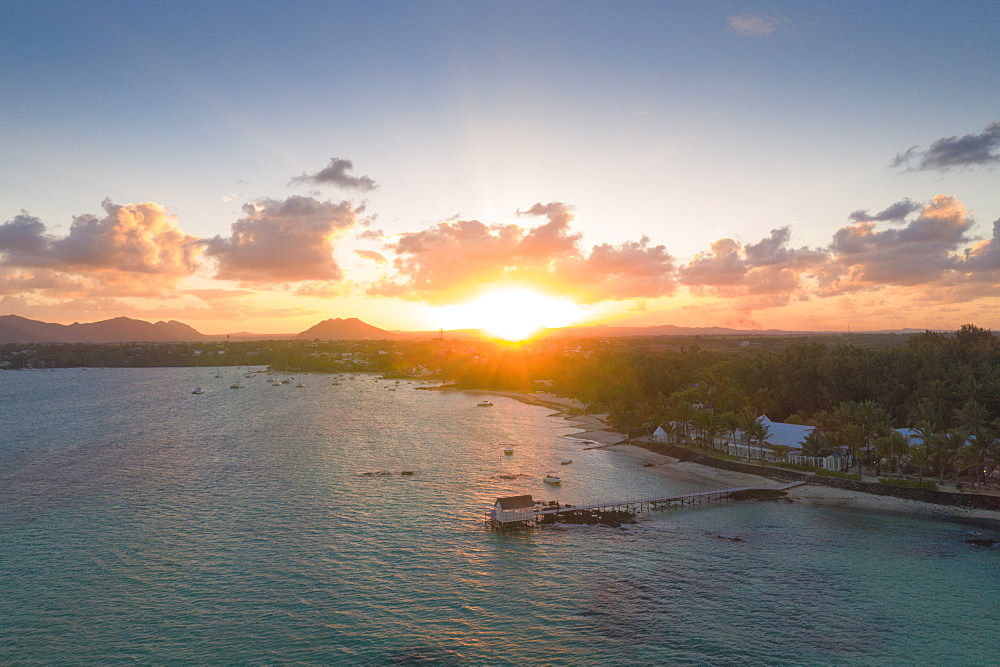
(16, 329)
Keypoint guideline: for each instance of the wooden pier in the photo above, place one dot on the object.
(634, 506)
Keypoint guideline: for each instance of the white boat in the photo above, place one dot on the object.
(552, 478)
(198, 390)
(565, 462)
(509, 451)
(484, 404)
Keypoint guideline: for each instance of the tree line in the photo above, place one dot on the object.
(944, 387)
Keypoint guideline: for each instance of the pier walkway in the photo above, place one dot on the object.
(635, 506)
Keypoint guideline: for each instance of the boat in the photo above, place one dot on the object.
(552, 478)
(509, 451)
(565, 462)
(299, 384)
(234, 386)
(198, 390)
(484, 404)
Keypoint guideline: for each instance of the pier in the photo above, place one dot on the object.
(499, 519)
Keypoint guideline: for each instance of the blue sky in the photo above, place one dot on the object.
(686, 123)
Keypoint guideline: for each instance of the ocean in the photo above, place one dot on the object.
(270, 525)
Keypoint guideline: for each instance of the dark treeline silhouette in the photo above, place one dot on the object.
(944, 387)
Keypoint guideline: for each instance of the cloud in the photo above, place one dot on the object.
(895, 213)
(336, 174)
(133, 248)
(756, 25)
(458, 259)
(376, 257)
(556, 212)
(631, 270)
(282, 241)
(982, 261)
(323, 290)
(922, 252)
(372, 234)
(761, 275)
(965, 151)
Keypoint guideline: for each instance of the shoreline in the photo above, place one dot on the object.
(812, 494)
(594, 428)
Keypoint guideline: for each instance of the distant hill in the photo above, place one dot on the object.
(16, 329)
(347, 329)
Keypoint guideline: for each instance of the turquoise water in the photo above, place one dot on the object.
(271, 525)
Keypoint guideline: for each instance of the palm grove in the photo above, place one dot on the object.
(944, 387)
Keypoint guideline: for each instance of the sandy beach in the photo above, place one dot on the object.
(809, 493)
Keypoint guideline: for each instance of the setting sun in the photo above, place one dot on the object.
(511, 314)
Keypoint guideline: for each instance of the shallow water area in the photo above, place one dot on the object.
(275, 525)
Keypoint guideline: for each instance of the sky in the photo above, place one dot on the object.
(262, 166)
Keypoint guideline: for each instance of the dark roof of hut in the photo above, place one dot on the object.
(515, 502)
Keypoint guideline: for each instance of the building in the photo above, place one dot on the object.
(513, 509)
(787, 435)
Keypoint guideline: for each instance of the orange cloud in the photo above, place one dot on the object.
(455, 260)
(132, 249)
(759, 275)
(923, 252)
(283, 241)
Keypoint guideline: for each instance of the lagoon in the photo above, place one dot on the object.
(272, 525)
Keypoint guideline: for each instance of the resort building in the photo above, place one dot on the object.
(781, 435)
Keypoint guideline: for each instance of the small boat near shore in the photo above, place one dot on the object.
(484, 404)
(565, 462)
(198, 390)
(552, 478)
(508, 450)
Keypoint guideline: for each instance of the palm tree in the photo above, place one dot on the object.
(856, 440)
(781, 453)
(727, 422)
(758, 432)
(815, 444)
(920, 456)
(944, 451)
(892, 447)
(714, 428)
(701, 420)
(746, 421)
(971, 417)
(983, 447)
(682, 416)
(670, 429)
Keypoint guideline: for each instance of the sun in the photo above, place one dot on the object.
(512, 314)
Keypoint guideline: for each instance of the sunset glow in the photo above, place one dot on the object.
(684, 166)
(511, 314)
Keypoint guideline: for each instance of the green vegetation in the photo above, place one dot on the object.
(838, 474)
(908, 483)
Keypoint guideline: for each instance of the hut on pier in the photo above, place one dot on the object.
(511, 511)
